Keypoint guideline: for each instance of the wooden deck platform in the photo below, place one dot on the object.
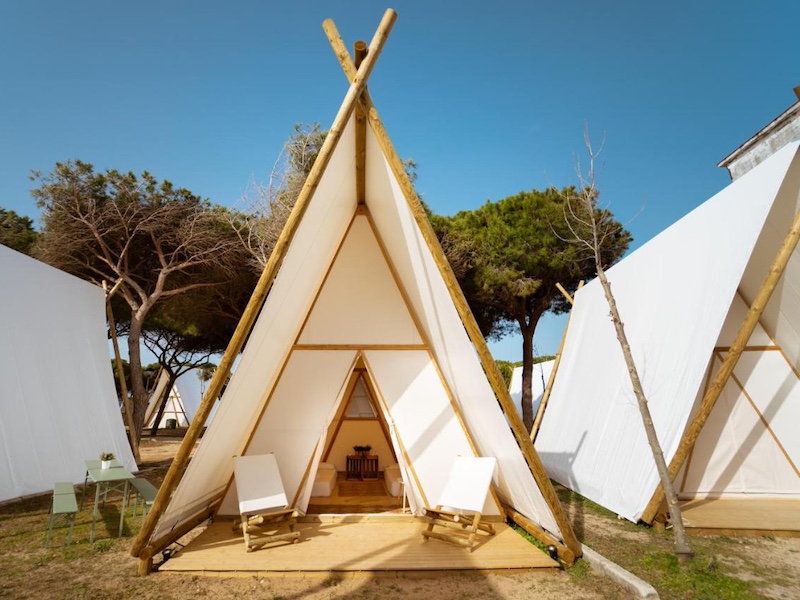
(375, 544)
(745, 517)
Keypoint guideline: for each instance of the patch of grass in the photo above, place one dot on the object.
(580, 572)
(699, 578)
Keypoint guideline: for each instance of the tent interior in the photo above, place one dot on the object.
(349, 489)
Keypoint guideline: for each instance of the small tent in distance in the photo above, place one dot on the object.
(358, 277)
(58, 406)
(683, 297)
(181, 402)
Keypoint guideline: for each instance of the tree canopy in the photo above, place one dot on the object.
(510, 254)
(17, 232)
(159, 243)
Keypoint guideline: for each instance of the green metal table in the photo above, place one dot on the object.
(115, 478)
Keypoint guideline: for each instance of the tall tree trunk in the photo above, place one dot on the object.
(527, 327)
(137, 379)
(682, 548)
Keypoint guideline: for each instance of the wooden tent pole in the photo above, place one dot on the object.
(565, 293)
(123, 387)
(256, 301)
(360, 52)
(490, 367)
(729, 363)
(537, 421)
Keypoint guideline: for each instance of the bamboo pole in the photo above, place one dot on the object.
(156, 546)
(565, 554)
(537, 421)
(490, 367)
(565, 293)
(726, 369)
(360, 52)
(256, 301)
(123, 387)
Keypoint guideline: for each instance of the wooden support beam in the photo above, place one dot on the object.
(537, 421)
(360, 52)
(147, 553)
(123, 387)
(565, 293)
(565, 554)
(729, 363)
(256, 301)
(457, 295)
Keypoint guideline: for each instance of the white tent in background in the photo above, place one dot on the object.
(182, 402)
(683, 297)
(58, 406)
(541, 375)
(359, 284)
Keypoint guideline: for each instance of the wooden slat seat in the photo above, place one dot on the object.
(146, 492)
(64, 503)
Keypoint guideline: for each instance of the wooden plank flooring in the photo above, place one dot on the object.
(376, 544)
(749, 516)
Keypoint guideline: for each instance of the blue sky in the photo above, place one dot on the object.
(489, 98)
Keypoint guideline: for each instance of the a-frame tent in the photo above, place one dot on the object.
(181, 402)
(58, 406)
(696, 304)
(357, 275)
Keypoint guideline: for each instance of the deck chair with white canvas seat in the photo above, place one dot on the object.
(461, 502)
(262, 501)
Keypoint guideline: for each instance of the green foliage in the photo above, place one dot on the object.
(703, 579)
(509, 257)
(17, 232)
(181, 266)
(506, 370)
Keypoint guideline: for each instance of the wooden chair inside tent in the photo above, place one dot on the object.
(461, 502)
(262, 501)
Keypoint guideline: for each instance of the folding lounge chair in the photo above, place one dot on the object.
(461, 502)
(262, 501)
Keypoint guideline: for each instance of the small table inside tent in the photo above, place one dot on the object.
(362, 466)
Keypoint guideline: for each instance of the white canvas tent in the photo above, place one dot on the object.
(541, 375)
(683, 297)
(355, 277)
(58, 406)
(182, 401)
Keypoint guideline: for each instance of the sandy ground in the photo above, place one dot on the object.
(106, 569)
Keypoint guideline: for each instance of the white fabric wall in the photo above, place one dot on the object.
(673, 294)
(313, 246)
(58, 405)
(749, 446)
(452, 349)
(190, 391)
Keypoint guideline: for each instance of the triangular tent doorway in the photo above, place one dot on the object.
(689, 297)
(358, 422)
(358, 275)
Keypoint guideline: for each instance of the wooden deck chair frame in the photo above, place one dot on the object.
(262, 502)
(465, 492)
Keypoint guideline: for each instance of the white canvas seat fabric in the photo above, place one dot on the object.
(382, 299)
(682, 297)
(258, 484)
(58, 405)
